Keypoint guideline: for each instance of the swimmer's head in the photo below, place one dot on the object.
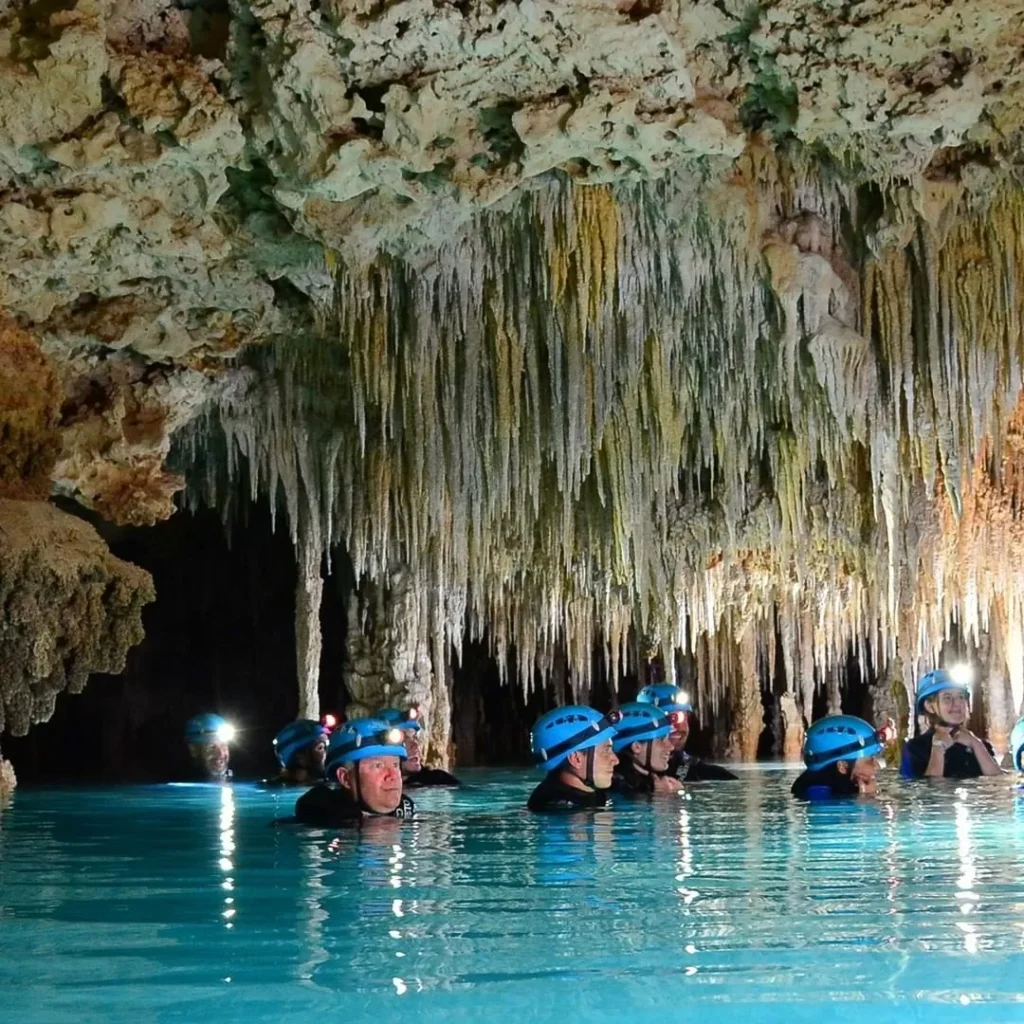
(675, 703)
(1017, 746)
(945, 700)
(577, 740)
(365, 757)
(208, 737)
(410, 722)
(301, 746)
(850, 744)
(643, 734)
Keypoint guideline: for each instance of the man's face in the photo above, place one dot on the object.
(379, 782)
(680, 729)
(314, 758)
(413, 761)
(863, 773)
(950, 706)
(213, 757)
(604, 763)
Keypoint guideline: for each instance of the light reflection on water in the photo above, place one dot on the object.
(734, 902)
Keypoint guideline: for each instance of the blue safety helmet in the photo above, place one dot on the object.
(363, 738)
(564, 731)
(408, 719)
(840, 738)
(208, 728)
(665, 696)
(934, 683)
(296, 737)
(1017, 745)
(640, 722)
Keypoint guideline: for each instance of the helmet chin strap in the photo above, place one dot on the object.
(587, 778)
(357, 790)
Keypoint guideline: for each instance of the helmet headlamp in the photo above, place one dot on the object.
(225, 733)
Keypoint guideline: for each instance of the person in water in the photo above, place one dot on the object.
(415, 773)
(301, 749)
(1017, 747)
(676, 705)
(948, 749)
(573, 744)
(840, 753)
(643, 746)
(209, 746)
(364, 759)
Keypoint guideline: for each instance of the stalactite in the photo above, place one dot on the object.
(660, 409)
(309, 590)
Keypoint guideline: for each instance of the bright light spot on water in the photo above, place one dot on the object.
(225, 864)
(964, 1000)
(227, 884)
(229, 899)
(396, 883)
(400, 987)
(229, 913)
(691, 948)
(395, 933)
(228, 980)
(396, 908)
(690, 971)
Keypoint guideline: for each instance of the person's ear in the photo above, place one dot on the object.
(636, 748)
(577, 759)
(344, 776)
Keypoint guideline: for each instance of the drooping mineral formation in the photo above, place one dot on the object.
(70, 609)
(602, 321)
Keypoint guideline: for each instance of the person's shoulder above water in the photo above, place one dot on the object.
(694, 769)
(327, 805)
(627, 781)
(916, 754)
(430, 777)
(554, 795)
(824, 784)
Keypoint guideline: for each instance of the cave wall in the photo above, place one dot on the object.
(602, 326)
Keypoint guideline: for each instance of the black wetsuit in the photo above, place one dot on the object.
(327, 806)
(687, 768)
(429, 777)
(824, 784)
(628, 781)
(554, 795)
(961, 762)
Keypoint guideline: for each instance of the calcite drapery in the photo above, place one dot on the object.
(70, 609)
(722, 379)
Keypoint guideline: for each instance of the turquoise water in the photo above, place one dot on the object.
(734, 903)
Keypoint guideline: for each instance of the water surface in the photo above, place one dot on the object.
(734, 903)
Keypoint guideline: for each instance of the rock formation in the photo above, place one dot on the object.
(694, 324)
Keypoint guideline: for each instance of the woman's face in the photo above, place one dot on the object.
(950, 706)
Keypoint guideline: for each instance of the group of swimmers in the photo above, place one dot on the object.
(363, 767)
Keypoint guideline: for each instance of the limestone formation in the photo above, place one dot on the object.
(8, 780)
(698, 321)
(70, 609)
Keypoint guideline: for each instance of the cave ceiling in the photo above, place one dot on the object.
(602, 319)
